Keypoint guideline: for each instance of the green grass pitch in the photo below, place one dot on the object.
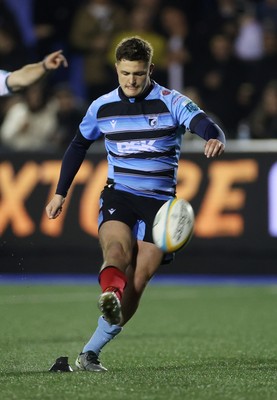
(185, 342)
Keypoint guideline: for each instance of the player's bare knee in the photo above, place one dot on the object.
(116, 251)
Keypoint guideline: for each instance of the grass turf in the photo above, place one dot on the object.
(185, 342)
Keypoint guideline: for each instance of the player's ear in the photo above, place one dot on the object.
(151, 68)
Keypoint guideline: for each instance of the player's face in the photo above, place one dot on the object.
(133, 76)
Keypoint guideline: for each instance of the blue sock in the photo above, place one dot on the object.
(102, 335)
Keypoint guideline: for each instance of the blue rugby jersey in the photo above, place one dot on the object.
(4, 90)
(142, 138)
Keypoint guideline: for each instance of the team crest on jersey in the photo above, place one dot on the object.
(153, 121)
(166, 92)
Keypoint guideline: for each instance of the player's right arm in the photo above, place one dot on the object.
(54, 208)
(72, 160)
(71, 163)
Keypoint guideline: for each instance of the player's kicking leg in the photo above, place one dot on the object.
(113, 281)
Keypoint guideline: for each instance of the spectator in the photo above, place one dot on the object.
(12, 52)
(258, 74)
(248, 44)
(70, 112)
(176, 28)
(31, 123)
(52, 21)
(267, 12)
(267, 66)
(219, 82)
(263, 120)
(220, 17)
(154, 9)
(93, 26)
(8, 21)
(23, 13)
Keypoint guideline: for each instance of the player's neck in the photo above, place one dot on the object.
(138, 98)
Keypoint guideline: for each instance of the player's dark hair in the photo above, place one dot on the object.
(134, 49)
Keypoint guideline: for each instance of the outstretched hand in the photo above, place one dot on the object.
(214, 148)
(55, 60)
(54, 207)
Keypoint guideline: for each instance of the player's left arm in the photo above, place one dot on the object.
(207, 129)
(189, 115)
(31, 73)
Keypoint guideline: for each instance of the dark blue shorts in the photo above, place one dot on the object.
(138, 212)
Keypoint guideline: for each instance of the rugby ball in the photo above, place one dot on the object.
(173, 225)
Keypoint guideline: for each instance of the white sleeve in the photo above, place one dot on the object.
(4, 90)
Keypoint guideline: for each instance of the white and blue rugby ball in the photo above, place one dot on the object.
(173, 225)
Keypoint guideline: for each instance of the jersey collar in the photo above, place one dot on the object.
(141, 97)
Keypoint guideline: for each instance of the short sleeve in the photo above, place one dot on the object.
(4, 90)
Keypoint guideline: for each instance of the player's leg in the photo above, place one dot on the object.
(117, 245)
(146, 257)
(116, 221)
(119, 253)
(147, 262)
(140, 262)
(88, 359)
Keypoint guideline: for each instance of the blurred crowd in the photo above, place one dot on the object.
(221, 53)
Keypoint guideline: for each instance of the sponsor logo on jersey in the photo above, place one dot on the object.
(190, 105)
(111, 210)
(165, 92)
(136, 146)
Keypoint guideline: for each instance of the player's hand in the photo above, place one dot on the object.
(54, 208)
(55, 60)
(214, 148)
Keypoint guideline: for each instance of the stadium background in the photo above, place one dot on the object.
(234, 198)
